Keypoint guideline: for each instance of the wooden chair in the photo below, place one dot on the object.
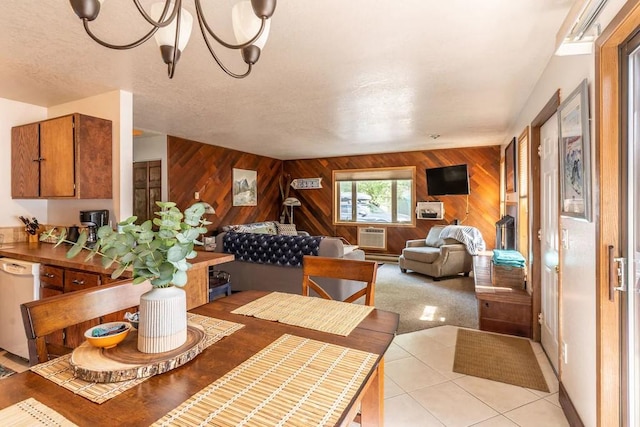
(53, 314)
(348, 269)
(339, 268)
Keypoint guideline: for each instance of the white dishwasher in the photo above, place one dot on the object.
(19, 283)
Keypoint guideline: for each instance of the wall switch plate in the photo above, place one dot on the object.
(564, 353)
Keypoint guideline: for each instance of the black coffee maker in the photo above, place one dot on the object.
(93, 220)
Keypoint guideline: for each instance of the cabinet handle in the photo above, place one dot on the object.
(77, 282)
(39, 159)
(49, 275)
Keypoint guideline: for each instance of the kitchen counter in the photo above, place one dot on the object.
(197, 287)
(47, 253)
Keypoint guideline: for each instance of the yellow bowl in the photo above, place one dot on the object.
(107, 341)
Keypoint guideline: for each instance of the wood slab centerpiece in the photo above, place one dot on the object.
(124, 361)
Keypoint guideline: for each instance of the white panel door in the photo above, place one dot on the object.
(549, 234)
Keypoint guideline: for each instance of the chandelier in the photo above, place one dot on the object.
(171, 25)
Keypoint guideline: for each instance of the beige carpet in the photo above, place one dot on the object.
(499, 358)
(424, 303)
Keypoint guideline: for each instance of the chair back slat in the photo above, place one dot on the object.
(52, 314)
(339, 268)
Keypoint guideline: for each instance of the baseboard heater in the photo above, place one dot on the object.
(372, 238)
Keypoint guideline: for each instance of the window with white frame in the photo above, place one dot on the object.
(374, 196)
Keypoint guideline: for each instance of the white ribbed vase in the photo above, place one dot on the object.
(163, 320)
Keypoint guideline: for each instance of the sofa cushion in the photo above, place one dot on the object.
(269, 249)
(287, 229)
(424, 254)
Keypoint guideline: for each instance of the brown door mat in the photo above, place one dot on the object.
(499, 358)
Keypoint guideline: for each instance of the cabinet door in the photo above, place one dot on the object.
(57, 158)
(94, 165)
(25, 167)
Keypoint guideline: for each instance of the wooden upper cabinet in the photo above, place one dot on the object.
(65, 157)
(25, 167)
(57, 161)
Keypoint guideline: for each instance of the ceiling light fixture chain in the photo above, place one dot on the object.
(250, 19)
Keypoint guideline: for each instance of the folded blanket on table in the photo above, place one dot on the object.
(508, 258)
(469, 236)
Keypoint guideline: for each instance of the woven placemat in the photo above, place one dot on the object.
(31, 413)
(499, 358)
(60, 372)
(334, 317)
(293, 381)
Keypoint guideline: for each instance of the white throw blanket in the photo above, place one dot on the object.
(469, 236)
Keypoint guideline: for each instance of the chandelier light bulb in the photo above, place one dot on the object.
(166, 36)
(246, 24)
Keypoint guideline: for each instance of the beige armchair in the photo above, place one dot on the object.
(436, 257)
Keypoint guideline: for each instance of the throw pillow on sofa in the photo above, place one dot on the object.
(287, 229)
(266, 227)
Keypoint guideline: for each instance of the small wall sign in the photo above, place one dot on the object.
(306, 183)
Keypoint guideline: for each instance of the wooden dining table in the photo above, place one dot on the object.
(152, 399)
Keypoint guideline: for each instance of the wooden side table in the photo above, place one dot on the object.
(500, 309)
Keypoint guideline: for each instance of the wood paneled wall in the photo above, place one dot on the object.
(208, 169)
(315, 214)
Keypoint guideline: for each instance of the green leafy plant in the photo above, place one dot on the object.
(159, 255)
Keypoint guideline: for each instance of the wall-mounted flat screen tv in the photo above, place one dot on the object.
(448, 180)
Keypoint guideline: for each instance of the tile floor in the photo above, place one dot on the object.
(421, 388)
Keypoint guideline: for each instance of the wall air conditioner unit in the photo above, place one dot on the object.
(372, 238)
(574, 36)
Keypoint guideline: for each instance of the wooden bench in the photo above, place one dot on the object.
(502, 309)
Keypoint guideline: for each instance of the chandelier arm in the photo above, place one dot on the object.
(215, 57)
(174, 61)
(136, 43)
(203, 21)
(161, 22)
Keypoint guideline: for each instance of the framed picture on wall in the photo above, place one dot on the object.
(575, 147)
(245, 187)
(510, 173)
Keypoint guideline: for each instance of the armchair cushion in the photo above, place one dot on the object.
(421, 254)
(433, 237)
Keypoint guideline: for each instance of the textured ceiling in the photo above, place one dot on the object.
(336, 77)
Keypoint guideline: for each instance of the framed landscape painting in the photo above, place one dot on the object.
(245, 187)
(575, 147)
